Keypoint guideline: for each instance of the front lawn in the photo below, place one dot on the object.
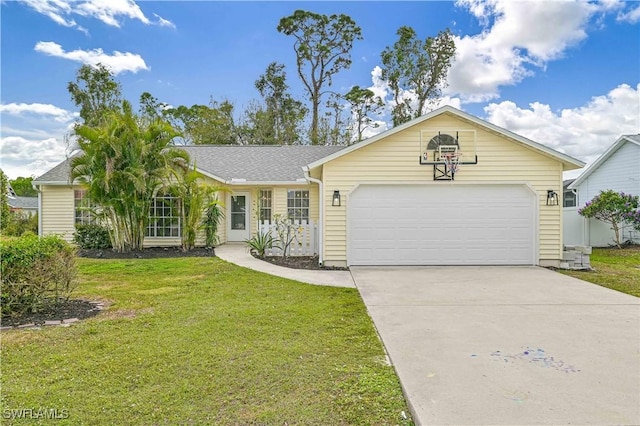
(618, 269)
(200, 341)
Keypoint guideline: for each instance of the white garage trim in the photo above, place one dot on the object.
(425, 243)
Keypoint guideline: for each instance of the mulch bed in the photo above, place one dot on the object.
(63, 310)
(147, 253)
(299, 262)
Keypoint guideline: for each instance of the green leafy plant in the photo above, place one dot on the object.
(18, 223)
(196, 196)
(125, 163)
(4, 200)
(633, 217)
(213, 215)
(92, 236)
(611, 207)
(35, 272)
(260, 243)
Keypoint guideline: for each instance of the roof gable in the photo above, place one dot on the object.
(622, 140)
(568, 161)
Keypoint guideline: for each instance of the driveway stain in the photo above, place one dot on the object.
(537, 357)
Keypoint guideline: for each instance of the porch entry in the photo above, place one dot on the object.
(238, 213)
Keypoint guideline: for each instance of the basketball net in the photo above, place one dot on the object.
(451, 160)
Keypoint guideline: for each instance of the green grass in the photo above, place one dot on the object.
(200, 341)
(618, 269)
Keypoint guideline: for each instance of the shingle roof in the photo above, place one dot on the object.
(59, 174)
(265, 163)
(28, 203)
(251, 163)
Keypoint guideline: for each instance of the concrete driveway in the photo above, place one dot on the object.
(507, 345)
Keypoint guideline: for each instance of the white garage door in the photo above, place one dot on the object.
(441, 225)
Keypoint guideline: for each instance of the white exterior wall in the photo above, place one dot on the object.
(574, 227)
(621, 173)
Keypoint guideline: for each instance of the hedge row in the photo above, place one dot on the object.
(35, 273)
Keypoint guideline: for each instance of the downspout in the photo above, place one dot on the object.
(321, 213)
(37, 188)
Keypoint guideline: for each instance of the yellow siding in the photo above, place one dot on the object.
(396, 159)
(58, 216)
(279, 202)
(58, 211)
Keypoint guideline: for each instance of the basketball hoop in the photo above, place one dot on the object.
(451, 160)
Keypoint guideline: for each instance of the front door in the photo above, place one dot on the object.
(238, 216)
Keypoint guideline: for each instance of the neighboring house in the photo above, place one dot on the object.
(618, 168)
(25, 205)
(389, 200)
(569, 196)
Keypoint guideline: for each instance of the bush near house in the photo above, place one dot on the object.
(92, 236)
(611, 207)
(35, 272)
(18, 223)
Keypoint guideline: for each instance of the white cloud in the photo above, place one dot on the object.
(164, 22)
(118, 62)
(517, 37)
(58, 114)
(109, 12)
(583, 132)
(54, 9)
(632, 16)
(17, 148)
(30, 157)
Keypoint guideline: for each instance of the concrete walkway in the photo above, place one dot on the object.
(507, 345)
(238, 254)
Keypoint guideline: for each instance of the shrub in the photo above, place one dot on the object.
(633, 217)
(35, 272)
(211, 221)
(611, 207)
(92, 236)
(259, 243)
(19, 223)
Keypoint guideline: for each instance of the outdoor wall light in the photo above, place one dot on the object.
(335, 202)
(552, 197)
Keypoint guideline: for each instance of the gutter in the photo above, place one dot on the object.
(321, 208)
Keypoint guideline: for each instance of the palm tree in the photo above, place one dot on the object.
(125, 163)
(196, 197)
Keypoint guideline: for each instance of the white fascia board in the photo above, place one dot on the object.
(267, 182)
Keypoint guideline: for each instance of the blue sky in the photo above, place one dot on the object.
(565, 74)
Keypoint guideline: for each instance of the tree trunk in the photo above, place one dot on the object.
(314, 122)
(614, 226)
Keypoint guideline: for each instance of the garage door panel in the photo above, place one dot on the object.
(441, 225)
